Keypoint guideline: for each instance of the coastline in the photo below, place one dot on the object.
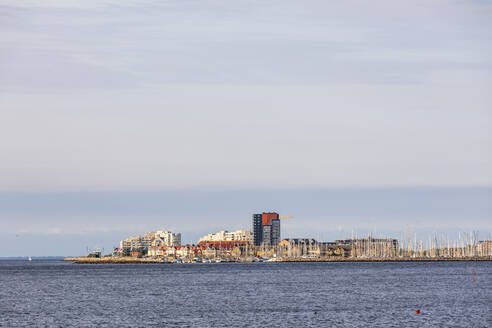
(133, 260)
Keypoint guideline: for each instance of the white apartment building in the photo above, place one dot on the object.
(225, 235)
(166, 238)
(153, 238)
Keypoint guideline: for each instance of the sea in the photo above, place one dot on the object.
(48, 293)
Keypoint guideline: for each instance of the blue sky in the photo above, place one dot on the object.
(148, 103)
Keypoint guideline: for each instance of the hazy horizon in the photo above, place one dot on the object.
(66, 223)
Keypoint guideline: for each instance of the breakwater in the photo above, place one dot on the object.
(387, 259)
(113, 260)
(134, 260)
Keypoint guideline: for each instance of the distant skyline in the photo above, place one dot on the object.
(67, 223)
(111, 101)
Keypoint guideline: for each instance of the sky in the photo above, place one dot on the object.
(121, 117)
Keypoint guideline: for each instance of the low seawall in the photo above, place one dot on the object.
(112, 260)
(134, 260)
(388, 259)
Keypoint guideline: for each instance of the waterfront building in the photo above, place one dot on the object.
(224, 244)
(298, 241)
(186, 251)
(136, 243)
(210, 252)
(266, 229)
(310, 248)
(484, 248)
(158, 251)
(224, 235)
(177, 251)
(153, 238)
(371, 247)
(299, 247)
(166, 238)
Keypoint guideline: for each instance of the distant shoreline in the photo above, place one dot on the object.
(132, 260)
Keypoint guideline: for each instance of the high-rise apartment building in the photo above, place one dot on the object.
(275, 234)
(257, 230)
(266, 238)
(266, 229)
(154, 238)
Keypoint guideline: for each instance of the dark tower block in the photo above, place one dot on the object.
(270, 223)
(267, 235)
(266, 229)
(257, 229)
(275, 239)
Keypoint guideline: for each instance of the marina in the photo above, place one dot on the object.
(263, 243)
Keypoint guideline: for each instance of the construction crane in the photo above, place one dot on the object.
(285, 217)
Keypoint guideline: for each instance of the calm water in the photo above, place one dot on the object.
(58, 294)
